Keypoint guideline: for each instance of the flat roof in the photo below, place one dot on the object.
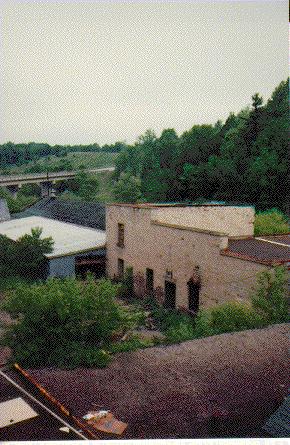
(68, 238)
(151, 205)
(268, 250)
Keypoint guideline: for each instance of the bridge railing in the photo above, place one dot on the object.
(48, 176)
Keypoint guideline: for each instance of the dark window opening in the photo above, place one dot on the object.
(90, 264)
(120, 268)
(193, 295)
(120, 235)
(170, 295)
(149, 281)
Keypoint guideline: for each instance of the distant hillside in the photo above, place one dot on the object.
(72, 161)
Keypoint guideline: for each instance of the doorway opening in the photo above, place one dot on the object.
(149, 281)
(170, 295)
(193, 295)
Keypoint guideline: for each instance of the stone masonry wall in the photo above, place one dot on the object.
(234, 221)
(161, 248)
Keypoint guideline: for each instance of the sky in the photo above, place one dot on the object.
(80, 73)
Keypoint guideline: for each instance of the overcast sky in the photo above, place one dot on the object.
(101, 72)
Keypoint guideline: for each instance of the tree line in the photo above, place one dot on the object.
(19, 154)
(243, 160)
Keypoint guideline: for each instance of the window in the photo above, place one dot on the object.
(120, 268)
(120, 235)
(149, 281)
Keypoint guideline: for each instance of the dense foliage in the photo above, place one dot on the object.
(24, 257)
(127, 188)
(245, 159)
(65, 322)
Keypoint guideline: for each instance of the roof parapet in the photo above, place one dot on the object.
(190, 229)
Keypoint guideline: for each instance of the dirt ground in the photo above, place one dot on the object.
(222, 386)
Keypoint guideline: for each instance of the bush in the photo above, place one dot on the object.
(270, 222)
(63, 322)
(19, 203)
(202, 325)
(270, 299)
(183, 331)
(234, 316)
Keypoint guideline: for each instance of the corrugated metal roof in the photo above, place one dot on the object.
(68, 238)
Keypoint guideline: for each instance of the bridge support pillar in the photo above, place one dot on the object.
(46, 188)
(13, 190)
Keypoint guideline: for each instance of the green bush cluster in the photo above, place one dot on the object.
(268, 305)
(64, 322)
(270, 222)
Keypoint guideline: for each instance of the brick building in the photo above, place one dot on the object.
(190, 256)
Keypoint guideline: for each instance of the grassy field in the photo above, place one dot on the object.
(77, 160)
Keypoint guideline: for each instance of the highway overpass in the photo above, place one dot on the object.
(45, 180)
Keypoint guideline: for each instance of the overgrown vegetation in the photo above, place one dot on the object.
(66, 323)
(69, 323)
(71, 161)
(268, 305)
(270, 222)
(19, 203)
(24, 258)
(244, 160)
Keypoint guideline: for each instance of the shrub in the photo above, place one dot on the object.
(203, 326)
(19, 203)
(63, 322)
(128, 188)
(270, 222)
(270, 298)
(234, 316)
(183, 331)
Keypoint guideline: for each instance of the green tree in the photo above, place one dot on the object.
(127, 189)
(25, 257)
(87, 185)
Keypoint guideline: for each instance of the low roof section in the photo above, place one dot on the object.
(269, 250)
(87, 214)
(69, 239)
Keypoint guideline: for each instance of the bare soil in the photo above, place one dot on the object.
(221, 386)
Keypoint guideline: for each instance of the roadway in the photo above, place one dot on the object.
(6, 180)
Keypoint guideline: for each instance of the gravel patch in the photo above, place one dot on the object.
(221, 386)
